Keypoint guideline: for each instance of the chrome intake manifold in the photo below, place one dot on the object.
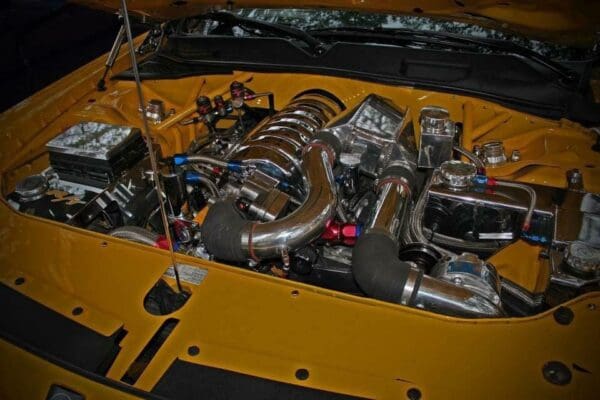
(277, 145)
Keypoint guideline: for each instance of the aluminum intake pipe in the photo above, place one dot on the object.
(228, 236)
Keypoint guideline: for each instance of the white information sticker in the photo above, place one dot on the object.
(187, 273)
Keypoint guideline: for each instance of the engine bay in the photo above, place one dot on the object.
(375, 191)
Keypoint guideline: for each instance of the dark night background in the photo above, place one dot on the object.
(43, 40)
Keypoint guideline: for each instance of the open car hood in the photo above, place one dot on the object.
(569, 22)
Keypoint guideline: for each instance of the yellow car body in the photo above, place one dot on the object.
(272, 328)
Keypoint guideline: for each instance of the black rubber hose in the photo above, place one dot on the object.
(222, 231)
(377, 269)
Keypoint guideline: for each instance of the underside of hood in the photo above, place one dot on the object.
(574, 22)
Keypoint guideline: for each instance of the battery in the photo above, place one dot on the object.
(95, 153)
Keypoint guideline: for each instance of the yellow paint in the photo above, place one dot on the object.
(467, 137)
(521, 263)
(251, 323)
(16, 373)
(486, 127)
(199, 218)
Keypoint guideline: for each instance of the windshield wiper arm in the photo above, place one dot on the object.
(317, 46)
(451, 40)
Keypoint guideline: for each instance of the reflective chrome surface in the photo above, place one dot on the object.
(155, 111)
(32, 188)
(277, 144)
(390, 209)
(446, 298)
(457, 175)
(269, 206)
(92, 139)
(437, 137)
(493, 153)
(414, 232)
(470, 272)
(502, 197)
(306, 223)
(562, 275)
(375, 120)
(434, 120)
(377, 145)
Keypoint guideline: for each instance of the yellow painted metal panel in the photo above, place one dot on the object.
(256, 324)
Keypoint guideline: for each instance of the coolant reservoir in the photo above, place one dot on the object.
(437, 137)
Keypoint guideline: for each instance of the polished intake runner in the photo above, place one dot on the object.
(276, 146)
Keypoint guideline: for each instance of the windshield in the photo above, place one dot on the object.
(315, 19)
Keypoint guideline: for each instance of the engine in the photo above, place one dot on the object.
(345, 199)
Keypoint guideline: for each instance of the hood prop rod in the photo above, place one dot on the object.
(112, 56)
(148, 137)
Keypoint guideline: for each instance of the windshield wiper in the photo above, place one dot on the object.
(315, 45)
(408, 36)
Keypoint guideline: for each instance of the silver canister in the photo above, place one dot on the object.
(437, 137)
(494, 154)
(155, 111)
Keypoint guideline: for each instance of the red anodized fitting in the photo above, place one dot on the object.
(162, 242)
(339, 232)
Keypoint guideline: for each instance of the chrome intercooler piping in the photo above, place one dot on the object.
(289, 136)
(305, 224)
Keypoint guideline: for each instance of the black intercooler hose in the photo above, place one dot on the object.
(222, 231)
(377, 269)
